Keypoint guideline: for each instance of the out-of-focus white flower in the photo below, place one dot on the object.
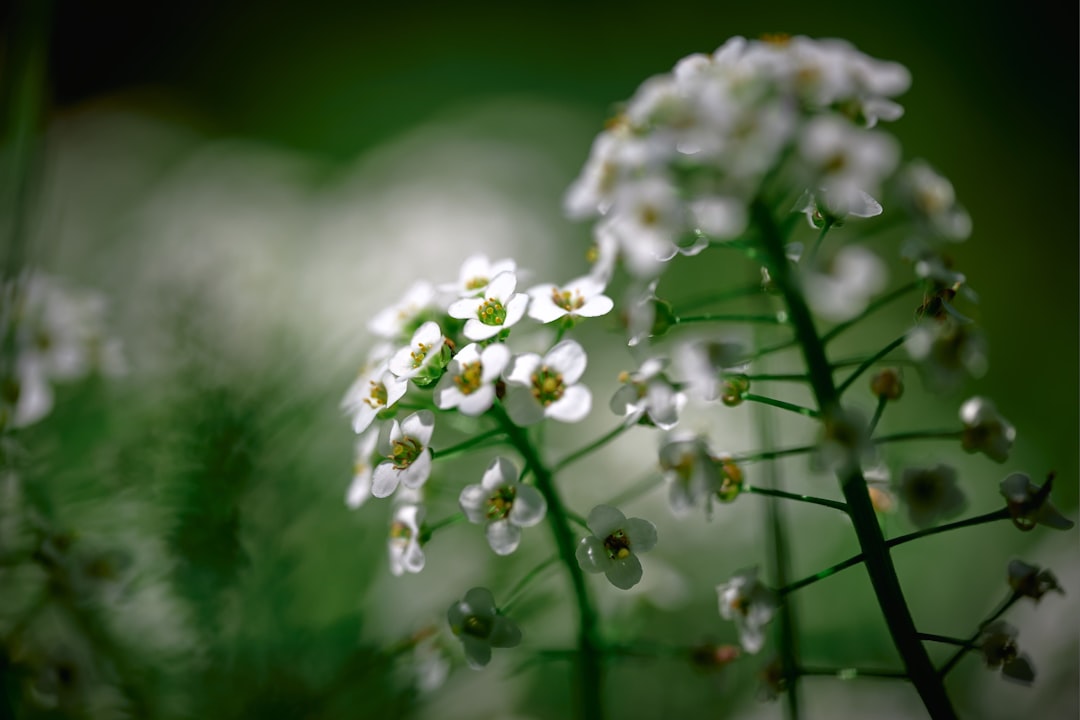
(719, 217)
(400, 319)
(406, 555)
(690, 471)
(498, 309)
(603, 254)
(931, 493)
(1030, 504)
(540, 387)
(424, 350)
(469, 381)
(985, 430)
(1032, 581)
(505, 504)
(648, 223)
(817, 211)
(613, 546)
(360, 488)
(853, 277)
(933, 202)
(647, 392)
(845, 442)
(702, 363)
(844, 162)
(405, 446)
(475, 275)
(583, 297)
(947, 350)
(374, 390)
(477, 623)
(997, 643)
(751, 604)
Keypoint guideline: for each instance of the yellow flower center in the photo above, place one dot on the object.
(547, 386)
(376, 396)
(492, 312)
(566, 300)
(469, 380)
(617, 545)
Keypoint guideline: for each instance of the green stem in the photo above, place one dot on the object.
(878, 412)
(1002, 514)
(943, 639)
(970, 645)
(878, 562)
(770, 349)
(783, 405)
(871, 308)
(766, 319)
(920, 435)
(772, 492)
(594, 445)
(783, 377)
(775, 454)
(590, 655)
(853, 673)
(428, 530)
(820, 239)
(467, 444)
(820, 575)
(866, 364)
(515, 594)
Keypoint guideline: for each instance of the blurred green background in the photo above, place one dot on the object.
(248, 182)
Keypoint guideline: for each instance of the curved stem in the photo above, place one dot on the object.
(920, 435)
(821, 575)
(944, 639)
(590, 655)
(776, 454)
(878, 412)
(782, 404)
(594, 445)
(878, 562)
(428, 530)
(782, 377)
(866, 364)
(766, 319)
(820, 239)
(970, 645)
(871, 308)
(1002, 514)
(466, 445)
(515, 594)
(850, 673)
(772, 492)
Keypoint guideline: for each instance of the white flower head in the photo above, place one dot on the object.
(406, 555)
(469, 381)
(844, 290)
(985, 430)
(398, 320)
(997, 643)
(374, 390)
(931, 493)
(845, 162)
(947, 350)
(689, 469)
(421, 355)
(476, 273)
(751, 604)
(933, 202)
(1030, 504)
(540, 387)
(505, 504)
(363, 469)
(583, 297)
(646, 392)
(405, 446)
(498, 309)
(477, 623)
(613, 546)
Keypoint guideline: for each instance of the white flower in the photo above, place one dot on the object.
(424, 349)
(497, 309)
(475, 275)
(985, 430)
(408, 455)
(469, 381)
(603, 254)
(647, 391)
(546, 386)
(997, 643)
(860, 205)
(1031, 581)
(701, 363)
(689, 469)
(947, 351)
(930, 493)
(719, 217)
(612, 547)
(845, 161)
(583, 297)
(933, 202)
(504, 504)
(394, 322)
(646, 221)
(853, 277)
(374, 390)
(751, 604)
(360, 488)
(1030, 504)
(404, 545)
(477, 623)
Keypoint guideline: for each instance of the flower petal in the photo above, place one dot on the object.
(384, 480)
(625, 573)
(473, 502)
(504, 633)
(418, 472)
(568, 358)
(604, 519)
(522, 407)
(641, 533)
(592, 556)
(503, 536)
(573, 406)
(529, 507)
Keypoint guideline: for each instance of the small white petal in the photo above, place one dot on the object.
(503, 536)
(419, 426)
(418, 472)
(568, 358)
(522, 407)
(473, 502)
(641, 533)
(478, 402)
(544, 309)
(529, 506)
(499, 472)
(596, 306)
(625, 573)
(384, 480)
(604, 520)
(573, 406)
(592, 555)
(521, 369)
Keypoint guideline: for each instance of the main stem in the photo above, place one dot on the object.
(590, 653)
(878, 562)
